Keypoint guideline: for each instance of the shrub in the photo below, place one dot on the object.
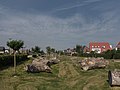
(34, 55)
(8, 60)
(87, 55)
(116, 56)
(110, 54)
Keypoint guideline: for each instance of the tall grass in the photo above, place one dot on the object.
(66, 75)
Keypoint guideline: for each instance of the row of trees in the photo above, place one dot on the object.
(37, 50)
(79, 49)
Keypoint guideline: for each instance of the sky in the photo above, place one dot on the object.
(60, 24)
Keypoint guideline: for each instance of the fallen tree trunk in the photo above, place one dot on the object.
(41, 65)
(93, 63)
(36, 68)
(114, 78)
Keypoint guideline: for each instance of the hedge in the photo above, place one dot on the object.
(8, 60)
(105, 55)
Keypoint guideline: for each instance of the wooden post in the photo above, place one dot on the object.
(14, 62)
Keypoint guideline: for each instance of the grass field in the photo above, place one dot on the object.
(66, 75)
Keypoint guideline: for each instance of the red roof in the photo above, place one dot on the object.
(104, 46)
(100, 43)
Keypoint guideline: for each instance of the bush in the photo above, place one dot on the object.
(87, 55)
(8, 60)
(110, 54)
(93, 55)
(34, 55)
(116, 56)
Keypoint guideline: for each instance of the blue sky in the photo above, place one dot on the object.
(59, 23)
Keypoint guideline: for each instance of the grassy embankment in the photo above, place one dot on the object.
(66, 75)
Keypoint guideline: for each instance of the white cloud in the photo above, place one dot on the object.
(91, 1)
(46, 30)
(75, 5)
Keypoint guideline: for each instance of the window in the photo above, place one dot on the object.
(103, 46)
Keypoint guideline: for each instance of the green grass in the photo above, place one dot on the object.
(66, 75)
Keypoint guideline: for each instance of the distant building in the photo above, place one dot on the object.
(118, 46)
(86, 49)
(99, 47)
(2, 50)
(70, 51)
(7, 51)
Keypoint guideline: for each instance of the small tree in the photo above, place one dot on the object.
(79, 49)
(48, 50)
(42, 52)
(36, 49)
(15, 45)
(53, 51)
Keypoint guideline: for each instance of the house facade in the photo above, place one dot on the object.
(70, 51)
(86, 49)
(118, 46)
(2, 50)
(99, 47)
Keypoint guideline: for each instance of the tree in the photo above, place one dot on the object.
(42, 52)
(36, 49)
(15, 45)
(48, 50)
(52, 50)
(79, 49)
